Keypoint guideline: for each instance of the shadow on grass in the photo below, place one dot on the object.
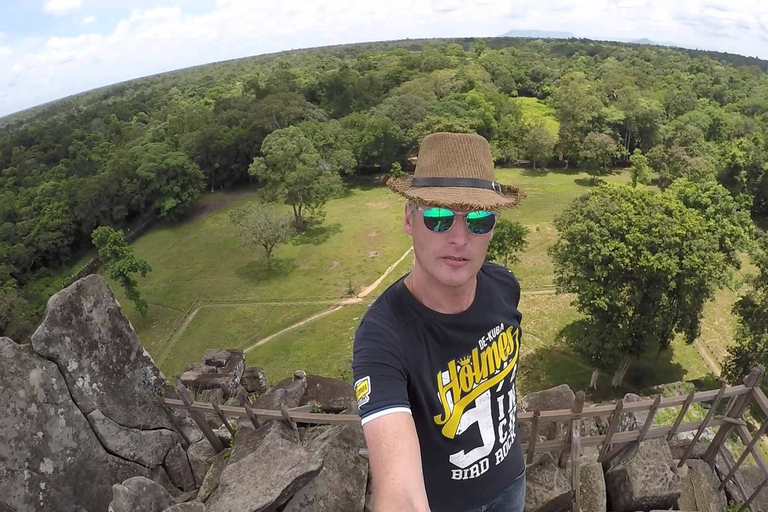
(264, 270)
(588, 182)
(551, 366)
(644, 372)
(316, 235)
(543, 171)
(362, 183)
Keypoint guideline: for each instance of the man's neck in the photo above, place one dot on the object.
(436, 296)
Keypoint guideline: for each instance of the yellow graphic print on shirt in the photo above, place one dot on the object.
(475, 374)
(479, 390)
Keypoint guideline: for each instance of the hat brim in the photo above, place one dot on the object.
(458, 198)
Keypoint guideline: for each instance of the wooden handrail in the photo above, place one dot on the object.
(612, 443)
(643, 405)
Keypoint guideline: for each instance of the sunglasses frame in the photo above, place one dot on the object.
(422, 209)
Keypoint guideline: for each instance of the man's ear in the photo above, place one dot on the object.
(408, 220)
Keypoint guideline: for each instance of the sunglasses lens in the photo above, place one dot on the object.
(438, 219)
(480, 222)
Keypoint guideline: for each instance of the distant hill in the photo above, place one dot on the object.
(553, 34)
(545, 34)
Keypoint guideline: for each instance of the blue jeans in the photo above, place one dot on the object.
(512, 499)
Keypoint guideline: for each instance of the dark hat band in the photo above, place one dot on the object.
(456, 182)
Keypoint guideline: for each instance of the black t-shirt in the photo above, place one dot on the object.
(456, 375)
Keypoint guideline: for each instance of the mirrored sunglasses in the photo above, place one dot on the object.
(440, 220)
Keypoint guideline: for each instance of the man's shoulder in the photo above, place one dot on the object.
(385, 314)
(499, 273)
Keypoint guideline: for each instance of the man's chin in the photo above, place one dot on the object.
(455, 277)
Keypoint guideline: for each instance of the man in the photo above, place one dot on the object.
(435, 357)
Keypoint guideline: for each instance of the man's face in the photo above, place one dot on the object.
(453, 257)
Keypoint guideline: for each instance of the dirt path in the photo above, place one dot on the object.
(338, 304)
(704, 353)
(368, 289)
(176, 335)
(294, 326)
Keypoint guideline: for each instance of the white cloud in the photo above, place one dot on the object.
(88, 20)
(160, 39)
(62, 6)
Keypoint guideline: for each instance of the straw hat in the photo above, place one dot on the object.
(455, 170)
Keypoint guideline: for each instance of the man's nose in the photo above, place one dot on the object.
(459, 234)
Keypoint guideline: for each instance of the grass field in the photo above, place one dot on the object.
(200, 266)
(534, 110)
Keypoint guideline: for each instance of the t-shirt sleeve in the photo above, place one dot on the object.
(381, 384)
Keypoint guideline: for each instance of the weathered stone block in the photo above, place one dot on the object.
(546, 489)
(147, 447)
(341, 483)
(50, 458)
(178, 468)
(265, 478)
(97, 351)
(254, 380)
(139, 494)
(643, 477)
(200, 456)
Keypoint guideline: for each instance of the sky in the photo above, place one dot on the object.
(50, 49)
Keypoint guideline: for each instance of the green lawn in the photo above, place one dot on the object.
(203, 258)
(534, 110)
(229, 327)
(321, 347)
(201, 263)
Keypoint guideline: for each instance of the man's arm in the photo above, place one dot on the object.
(393, 451)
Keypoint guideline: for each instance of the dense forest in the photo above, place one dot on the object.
(148, 149)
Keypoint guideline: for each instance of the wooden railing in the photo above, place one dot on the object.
(611, 444)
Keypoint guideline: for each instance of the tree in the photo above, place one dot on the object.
(262, 225)
(333, 143)
(11, 310)
(121, 263)
(577, 109)
(291, 168)
(396, 171)
(479, 47)
(597, 153)
(171, 181)
(642, 266)
(539, 144)
(508, 239)
(641, 171)
(673, 163)
(751, 338)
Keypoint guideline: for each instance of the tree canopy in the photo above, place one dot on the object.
(292, 168)
(643, 264)
(148, 148)
(121, 263)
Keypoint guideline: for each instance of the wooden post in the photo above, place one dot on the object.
(649, 419)
(175, 423)
(199, 418)
(533, 437)
(703, 426)
(737, 481)
(252, 416)
(744, 455)
(291, 423)
(736, 411)
(754, 495)
(576, 460)
(680, 416)
(578, 406)
(223, 418)
(612, 426)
